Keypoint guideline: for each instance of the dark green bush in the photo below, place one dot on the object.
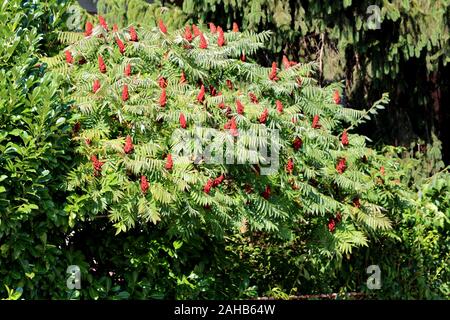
(35, 152)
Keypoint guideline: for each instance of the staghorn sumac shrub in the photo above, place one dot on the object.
(157, 86)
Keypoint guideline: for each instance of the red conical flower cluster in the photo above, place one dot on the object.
(182, 78)
(286, 63)
(120, 45)
(279, 106)
(101, 64)
(232, 126)
(229, 84)
(239, 107)
(208, 186)
(125, 95)
(235, 27)
(336, 97)
(188, 33)
(297, 144)
(97, 165)
(163, 98)
(127, 71)
(115, 28)
(212, 27)
(221, 104)
(201, 94)
(96, 86)
(69, 58)
(227, 125)
(266, 193)
(213, 183)
(182, 121)
(331, 225)
(341, 166)
(218, 180)
(103, 22)
(144, 184)
(290, 166)
(213, 90)
(162, 82)
(162, 26)
(203, 44)
(263, 116)
(315, 123)
(196, 30)
(344, 138)
(129, 147)
(133, 34)
(88, 29)
(169, 162)
(273, 72)
(221, 38)
(253, 98)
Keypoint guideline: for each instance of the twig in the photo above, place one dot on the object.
(322, 45)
